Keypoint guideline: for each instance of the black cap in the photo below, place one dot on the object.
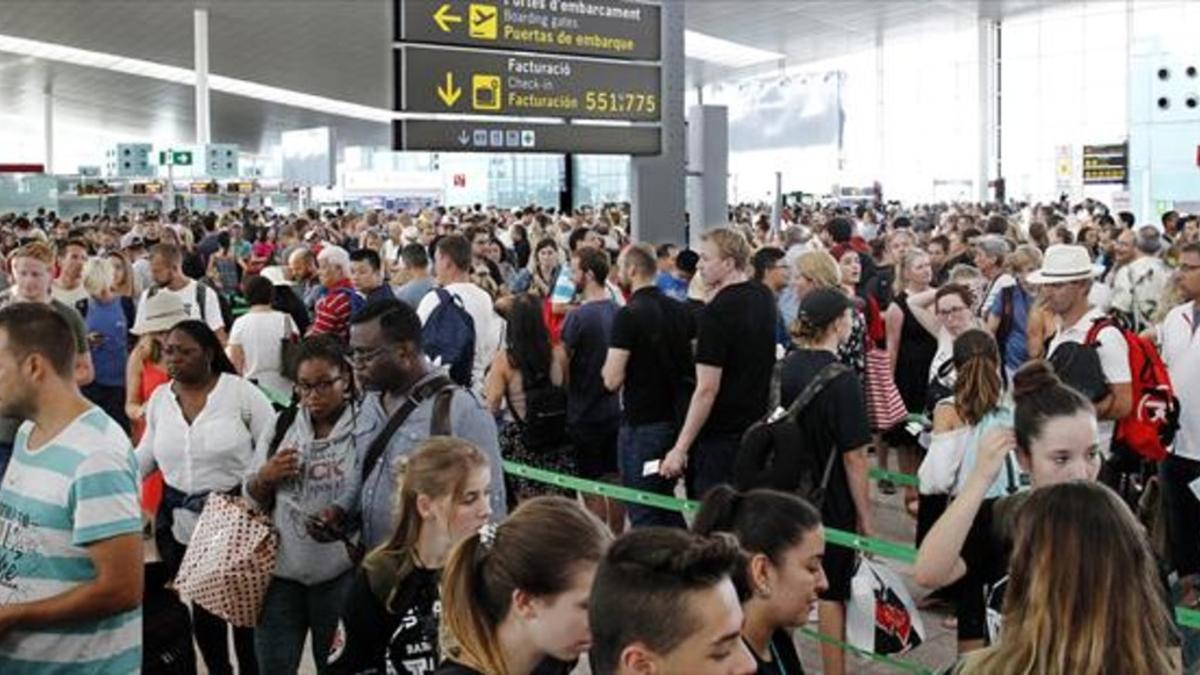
(823, 305)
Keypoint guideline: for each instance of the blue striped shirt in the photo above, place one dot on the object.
(78, 489)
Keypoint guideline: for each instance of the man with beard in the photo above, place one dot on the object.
(409, 401)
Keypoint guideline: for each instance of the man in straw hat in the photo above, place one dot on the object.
(1101, 374)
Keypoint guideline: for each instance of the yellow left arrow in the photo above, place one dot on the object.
(445, 19)
(448, 92)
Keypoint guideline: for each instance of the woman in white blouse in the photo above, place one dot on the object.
(201, 430)
(256, 340)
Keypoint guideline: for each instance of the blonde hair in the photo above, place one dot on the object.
(97, 276)
(1026, 256)
(1071, 614)
(731, 245)
(820, 268)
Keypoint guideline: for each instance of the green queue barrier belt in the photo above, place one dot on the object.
(1189, 618)
(896, 477)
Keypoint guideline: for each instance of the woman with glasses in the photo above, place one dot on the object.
(296, 473)
(952, 305)
(200, 432)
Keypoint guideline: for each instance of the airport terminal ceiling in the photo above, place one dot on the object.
(337, 49)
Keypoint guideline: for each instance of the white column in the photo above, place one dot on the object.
(988, 106)
(48, 127)
(203, 123)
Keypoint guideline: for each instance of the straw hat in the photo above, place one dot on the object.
(160, 312)
(1062, 263)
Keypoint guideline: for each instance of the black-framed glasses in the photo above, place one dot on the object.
(321, 387)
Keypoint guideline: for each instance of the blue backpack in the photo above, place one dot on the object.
(449, 337)
(357, 302)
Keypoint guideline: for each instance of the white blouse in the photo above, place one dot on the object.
(214, 451)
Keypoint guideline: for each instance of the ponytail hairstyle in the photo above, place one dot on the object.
(538, 549)
(438, 467)
(764, 521)
(978, 385)
(1039, 397)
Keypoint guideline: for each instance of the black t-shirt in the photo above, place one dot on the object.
(652, 327)
(986, 552)
(784, 659)
(736, 333)
(585, 334)
(835, 420)
(375, 641)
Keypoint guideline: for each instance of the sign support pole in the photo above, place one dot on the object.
(656, 184)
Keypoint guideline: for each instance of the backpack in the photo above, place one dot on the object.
(758, 464)
(448, 336)
(545, 425)
(1149, 428)
(357, 302)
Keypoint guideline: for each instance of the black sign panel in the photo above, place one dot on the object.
(609, 28)
(434, 80)
(473, 136)
(1106, 164)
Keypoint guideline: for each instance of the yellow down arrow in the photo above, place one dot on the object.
(445, 19)
(448, 92)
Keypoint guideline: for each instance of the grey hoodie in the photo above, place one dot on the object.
(326, 466)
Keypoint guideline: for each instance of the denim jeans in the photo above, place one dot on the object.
(637, 445)
(710, 462)
(290, 611)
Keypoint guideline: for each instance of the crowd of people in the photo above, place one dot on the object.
(361, 379)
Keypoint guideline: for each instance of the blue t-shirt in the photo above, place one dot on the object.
(672, 286)
(109, 357)
(1016, 349)
(586, 334)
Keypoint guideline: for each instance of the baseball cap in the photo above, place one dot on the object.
(821, 306)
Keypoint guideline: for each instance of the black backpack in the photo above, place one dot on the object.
(758, 464)
(449, 335)
(545, 425)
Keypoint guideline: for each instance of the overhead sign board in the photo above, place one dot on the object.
(608, 28)
(488, 83)
(1106, 164)
(517, 137)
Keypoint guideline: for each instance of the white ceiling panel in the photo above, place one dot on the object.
(340, 49)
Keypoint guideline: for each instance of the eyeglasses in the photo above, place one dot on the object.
(360, 355)
(321, 387)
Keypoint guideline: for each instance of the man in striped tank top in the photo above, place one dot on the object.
(70, 543)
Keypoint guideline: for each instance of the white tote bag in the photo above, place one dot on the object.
(882, 617)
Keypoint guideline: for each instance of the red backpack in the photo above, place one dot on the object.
(1149, 428)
